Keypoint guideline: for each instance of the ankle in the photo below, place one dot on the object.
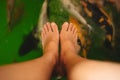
(51, 58)
(66, 54)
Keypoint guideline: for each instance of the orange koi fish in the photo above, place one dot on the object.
(82, 34)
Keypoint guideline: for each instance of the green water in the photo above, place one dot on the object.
(11, 41)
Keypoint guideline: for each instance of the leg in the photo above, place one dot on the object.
(38, 69)
(79, 68)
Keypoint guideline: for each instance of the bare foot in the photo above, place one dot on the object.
(50, 40)
(68, 38)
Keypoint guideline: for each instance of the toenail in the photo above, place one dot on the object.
(52, 23)
(71, 24)
(66, 23)
(48, 23)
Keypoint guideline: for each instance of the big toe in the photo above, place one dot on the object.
(54, 27)
(65, 26)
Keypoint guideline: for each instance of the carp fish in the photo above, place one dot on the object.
(32, 40)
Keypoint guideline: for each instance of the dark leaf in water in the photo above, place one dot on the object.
(30, 43)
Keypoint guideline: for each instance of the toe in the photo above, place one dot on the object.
(73, 27)
(54, 27)
(76, 37)
(43, 36)
(70, 27)
(75, 32)
(43, 33)
(65, 26)
(49, 27)
(45, 28)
